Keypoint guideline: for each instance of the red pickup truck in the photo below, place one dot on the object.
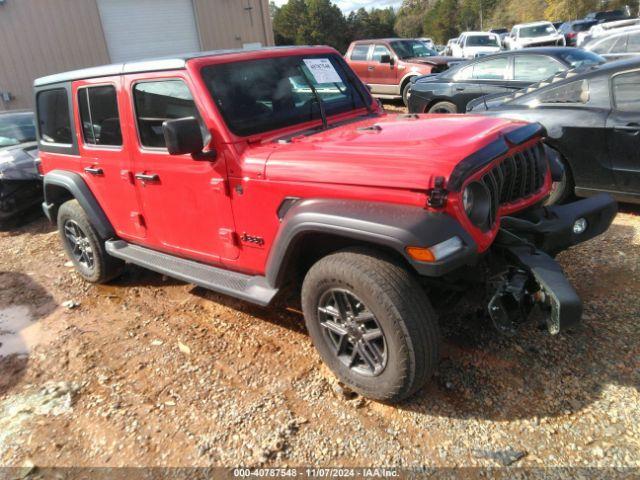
(387, 65)
(246, 172)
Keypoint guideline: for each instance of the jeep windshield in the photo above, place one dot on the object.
(412, 49)
(257, 96)
(17, 128)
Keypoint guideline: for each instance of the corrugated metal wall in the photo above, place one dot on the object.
(233, 23)
(41, 37)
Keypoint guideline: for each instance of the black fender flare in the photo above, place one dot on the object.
(388, 225)
(78, 189)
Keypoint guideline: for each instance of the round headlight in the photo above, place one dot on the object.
(476, 202)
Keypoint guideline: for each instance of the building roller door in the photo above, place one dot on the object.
(141, 29)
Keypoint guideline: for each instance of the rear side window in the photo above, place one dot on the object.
(54, 122)
(574, 92)
(533, 68)
(625, 92)
(359, 52)
(378, 52)
(99, 115)
(159, 101)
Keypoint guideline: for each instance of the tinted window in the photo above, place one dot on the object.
(633, 42)
(577, 57)
(99, 115)
(533, 68)
(53, 116)
(16, 128)
(378, 52)
(260, 95)
(481, 41)
(491, 70)
(575, 92)
(625, 92)
(359, 52)
(160, 101)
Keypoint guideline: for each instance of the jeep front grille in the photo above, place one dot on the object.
(516, 177)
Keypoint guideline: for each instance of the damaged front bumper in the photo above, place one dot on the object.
(530, 275)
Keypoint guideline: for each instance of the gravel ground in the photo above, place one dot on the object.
(148, 371)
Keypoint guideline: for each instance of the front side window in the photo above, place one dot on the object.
(620, 46)
(604, 46)
(17, 128)
(378, 52)
(625, 92)
(157, 101)
(257, 96)
(359, 53)
(533, 68)
(53, 116)
(495, 69)
(99, 115)
(633, 42)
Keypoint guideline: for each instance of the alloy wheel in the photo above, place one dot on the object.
(352, 332)
(79, 243)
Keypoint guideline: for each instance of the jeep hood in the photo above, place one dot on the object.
(392, 151)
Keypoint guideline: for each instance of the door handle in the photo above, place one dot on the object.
(371, 68)
(460, 89)
(94, 171)
(630, 128)
(147, 177)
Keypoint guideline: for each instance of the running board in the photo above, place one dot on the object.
(252, 289)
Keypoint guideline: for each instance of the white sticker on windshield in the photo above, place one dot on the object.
(322, 70)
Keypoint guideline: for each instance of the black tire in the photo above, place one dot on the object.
(562, 191)
(88, 254)
(405, 93)
(400, 309)
(443, 107)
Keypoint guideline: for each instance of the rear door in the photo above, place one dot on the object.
(623, 131)
(104, 157)
(359, 60)
(185, 202)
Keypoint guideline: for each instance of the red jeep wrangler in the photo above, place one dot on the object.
(387, 65)
(248, 171)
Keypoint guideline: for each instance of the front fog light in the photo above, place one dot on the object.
(580, 226)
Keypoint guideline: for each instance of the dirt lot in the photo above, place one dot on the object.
(151, 371)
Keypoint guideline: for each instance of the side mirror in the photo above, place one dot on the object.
(385, 59)
(183, 136)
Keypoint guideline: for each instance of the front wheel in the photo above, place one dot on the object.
(443, 107)
(372, 324)
(405, 93)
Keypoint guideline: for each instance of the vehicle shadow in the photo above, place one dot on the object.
(23, 220)
(22, 303)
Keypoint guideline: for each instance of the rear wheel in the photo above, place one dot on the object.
(371, 323)
(443, 107)
(84, 246)
(405, 93)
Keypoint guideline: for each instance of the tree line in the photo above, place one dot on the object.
(314, 22)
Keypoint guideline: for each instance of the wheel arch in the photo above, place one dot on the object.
(316, 227)
(60, 186)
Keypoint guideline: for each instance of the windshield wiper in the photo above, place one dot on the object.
(323, 114)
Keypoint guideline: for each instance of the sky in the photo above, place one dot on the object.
(349, 5)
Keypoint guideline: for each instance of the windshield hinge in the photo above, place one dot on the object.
(438, 194)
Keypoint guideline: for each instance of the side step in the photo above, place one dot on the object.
(252, 289)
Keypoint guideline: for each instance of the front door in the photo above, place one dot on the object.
(105, 166)
(623, 132)
(382, 76)
(185, 202)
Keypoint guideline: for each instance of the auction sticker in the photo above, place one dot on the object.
(322, 70)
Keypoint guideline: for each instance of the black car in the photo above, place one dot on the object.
(450, 91)
(571, 29)
(608, 15)
(592, 117)
(20, 180)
